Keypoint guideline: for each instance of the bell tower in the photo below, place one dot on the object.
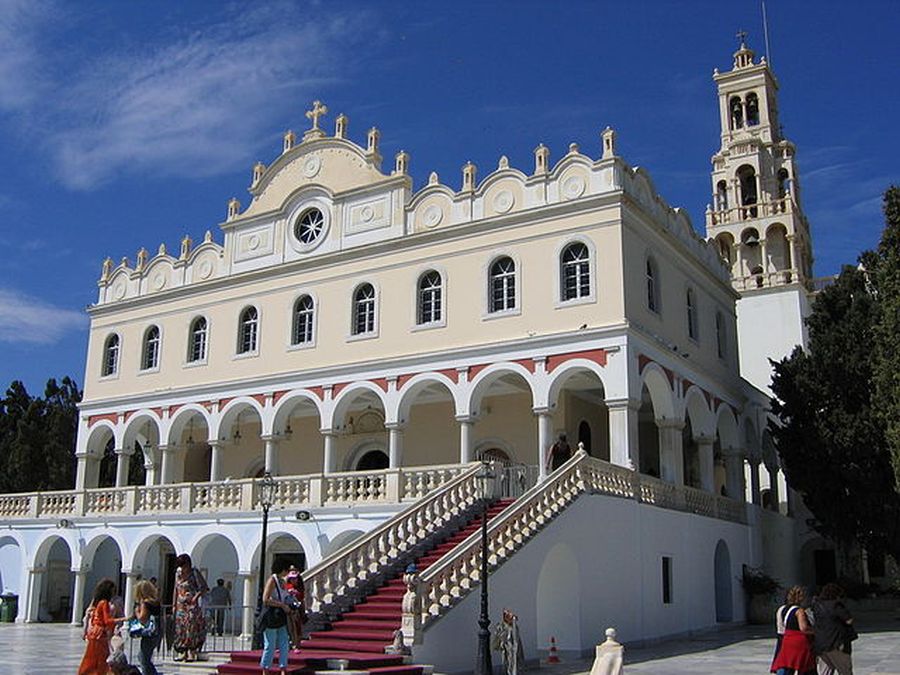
(756, 217)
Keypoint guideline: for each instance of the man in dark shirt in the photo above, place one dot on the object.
(834, 632)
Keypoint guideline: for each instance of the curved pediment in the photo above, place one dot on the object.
(336, 164)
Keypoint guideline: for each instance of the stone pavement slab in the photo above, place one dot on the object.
(42, 649)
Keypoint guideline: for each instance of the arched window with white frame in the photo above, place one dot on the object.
(652, 280)
(430, 298)
(690, 302)
(110, 356)
(364, 309)
(248, 331)
(303, 320)
(575, 272)
(502, 286)
(197, 340)
(150, 354)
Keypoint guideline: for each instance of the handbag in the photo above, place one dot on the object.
(272, 617)
(136, 629)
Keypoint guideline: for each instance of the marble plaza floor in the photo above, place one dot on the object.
(39, 649)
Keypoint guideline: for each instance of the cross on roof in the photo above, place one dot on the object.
(741, 35)
(317, 111)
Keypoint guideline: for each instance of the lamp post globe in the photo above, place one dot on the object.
(267, 488)
(485, 478)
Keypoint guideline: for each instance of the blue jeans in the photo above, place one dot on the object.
(275, 638)
(148, 646)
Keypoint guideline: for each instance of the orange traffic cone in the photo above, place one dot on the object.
(552, 656)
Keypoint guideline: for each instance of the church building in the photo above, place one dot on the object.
(367, 343)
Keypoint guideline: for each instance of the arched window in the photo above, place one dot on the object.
(652, 286)
(430, 298)
(197, 340)
(584, 435)
(721, 196)
(575, 272)
(747, 178)
(752, 110)
(304, 318)
(150, 356)
(502, 291)
(110, 356)
(736, 112)
(364, 310)
(691, 307)
(721, 336)
(248, 331)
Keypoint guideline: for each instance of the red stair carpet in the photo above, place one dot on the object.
(361, 633)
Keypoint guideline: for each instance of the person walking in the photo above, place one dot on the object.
(834, 632)
(190, 624)
(146, 605)
(100, 626)
(297, 615)
(220, 602)
(276, 610)
(559, 453)
(795, 657)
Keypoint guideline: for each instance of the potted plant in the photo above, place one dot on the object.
(760, 589)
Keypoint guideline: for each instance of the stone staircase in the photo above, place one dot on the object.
(356, 596)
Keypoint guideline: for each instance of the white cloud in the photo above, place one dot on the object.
(189, 104)
(26, 319)
(20, 80)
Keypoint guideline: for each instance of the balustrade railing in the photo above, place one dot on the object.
(388, 486)
(367, 556)
(449, 579)
(761, 209)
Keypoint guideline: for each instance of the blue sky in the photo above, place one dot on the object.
(128, 124)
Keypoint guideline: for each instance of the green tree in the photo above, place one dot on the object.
(833, 438)
(884, 265)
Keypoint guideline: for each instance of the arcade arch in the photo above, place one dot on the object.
(296, 428)
(426, 416)
(358, 418)
(577, 396)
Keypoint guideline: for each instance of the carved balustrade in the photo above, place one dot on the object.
(388, 486)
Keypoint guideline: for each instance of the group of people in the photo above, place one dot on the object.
(814, 638)
(196, 609)
(105, 614)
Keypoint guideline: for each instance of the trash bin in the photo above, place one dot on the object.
(9, 607)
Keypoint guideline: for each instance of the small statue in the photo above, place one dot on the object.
(397, 646)
(610, 654)
(508, 642)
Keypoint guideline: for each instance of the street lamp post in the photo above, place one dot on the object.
(483, 664)
(267, 488)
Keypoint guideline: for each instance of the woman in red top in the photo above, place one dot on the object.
(796, 653)
(99, 629)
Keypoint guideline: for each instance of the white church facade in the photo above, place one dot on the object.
(365, 343)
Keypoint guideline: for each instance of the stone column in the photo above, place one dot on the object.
(271, 444)
(151, 463)
(623, 433)
(466, 428)
(78, 597)
(330, 459)
(249, 603)
(754, 481)
(215, 460)
(795, 256)
(671, 450)
(165, 464)
(35, 582)
(545, 439)
(774, 495)
(81, 470)
(707, 462)
(131, 579)
(395, 445)
(734, 473)
(123, 461)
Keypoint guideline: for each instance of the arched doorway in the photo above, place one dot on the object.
(52, 597)
(11, 567)
(373, 460)
(102, 559)
(722, 563)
